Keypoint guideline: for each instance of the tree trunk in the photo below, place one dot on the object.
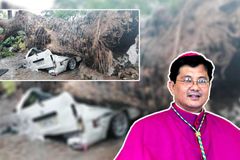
(9, 14)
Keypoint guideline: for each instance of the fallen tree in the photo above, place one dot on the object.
(98, 37)
(210, 27)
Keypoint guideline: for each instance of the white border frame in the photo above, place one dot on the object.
(139, 52)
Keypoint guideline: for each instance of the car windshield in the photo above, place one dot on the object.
(85, 101)
(34, 51)
(36, 96)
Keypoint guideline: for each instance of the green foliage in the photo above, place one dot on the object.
(5, 53)
(1, 30)
(12, 44)
(9, 87)
(3, 14)
(146, 7)
(22, 46)
(173, 5)
(73, 4)
(63, 14)
(19, 41)
(8, 42)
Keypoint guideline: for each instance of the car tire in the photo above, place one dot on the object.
(119, 125)
(72, 63)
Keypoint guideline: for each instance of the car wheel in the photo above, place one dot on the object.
(119, 125)
(72, 63)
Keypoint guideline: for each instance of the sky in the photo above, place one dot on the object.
(32, 5)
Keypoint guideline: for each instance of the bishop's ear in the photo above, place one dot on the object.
(171, 87)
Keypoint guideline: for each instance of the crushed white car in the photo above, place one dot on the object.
(36, 59)
(80, 124)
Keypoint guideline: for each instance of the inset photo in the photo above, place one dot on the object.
(70, 45)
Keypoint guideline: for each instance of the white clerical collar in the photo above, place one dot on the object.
(187, 111)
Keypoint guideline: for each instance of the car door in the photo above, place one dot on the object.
(41, 60)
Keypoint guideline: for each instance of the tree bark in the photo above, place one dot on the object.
(9, 14)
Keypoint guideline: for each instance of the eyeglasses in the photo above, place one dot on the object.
(201, 82)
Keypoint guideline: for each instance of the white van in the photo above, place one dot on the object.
(55, 64)
(81, 124)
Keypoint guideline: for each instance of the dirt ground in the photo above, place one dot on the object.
(16, 72)
(13, 146)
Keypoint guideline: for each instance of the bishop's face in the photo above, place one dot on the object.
(191, 89)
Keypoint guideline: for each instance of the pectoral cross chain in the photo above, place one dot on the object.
(198, 135)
